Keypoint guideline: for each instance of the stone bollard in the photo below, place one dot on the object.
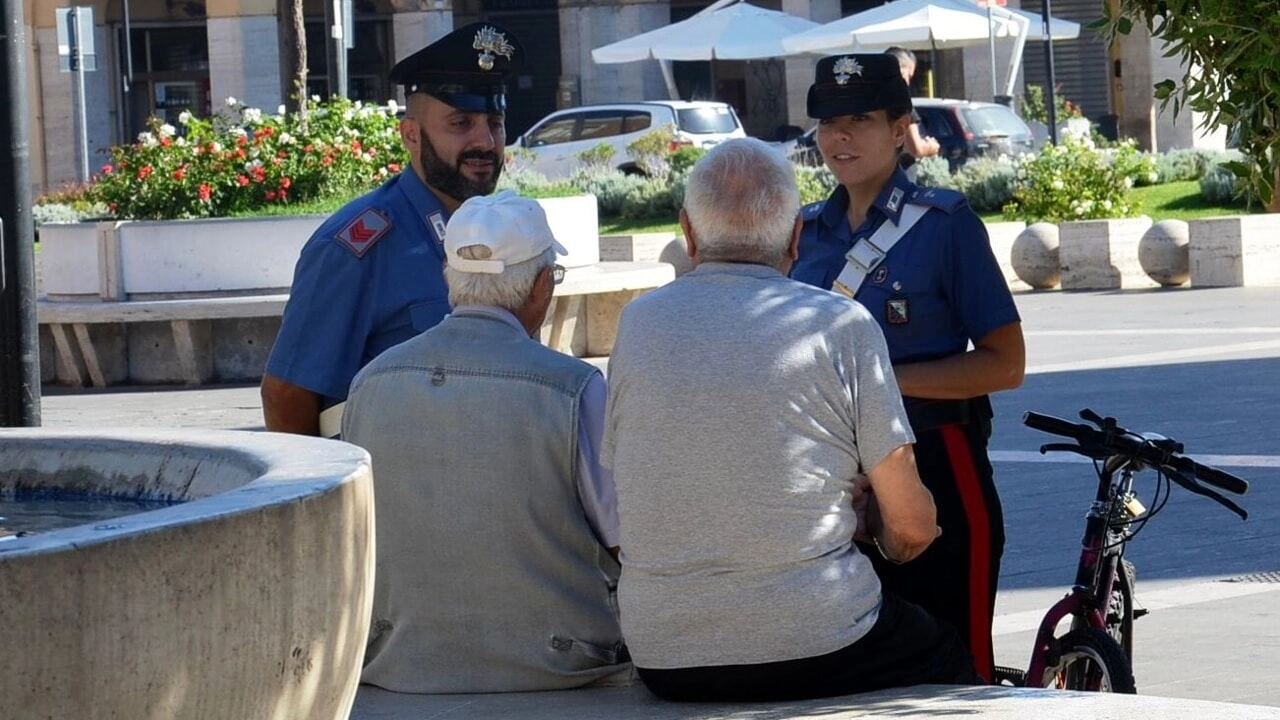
(1102, 254)
(1163, 252)
(677, 254)
(1035, 256)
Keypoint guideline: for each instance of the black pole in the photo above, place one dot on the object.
(19, 344)
(1050, 92)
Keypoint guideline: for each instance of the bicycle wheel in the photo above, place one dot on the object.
(1120, 611)
(1088, 659)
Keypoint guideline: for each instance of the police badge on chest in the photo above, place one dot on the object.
(896, 311)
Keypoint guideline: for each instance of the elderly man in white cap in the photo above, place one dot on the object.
(497, 530)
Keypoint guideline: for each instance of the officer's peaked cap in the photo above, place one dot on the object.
(855, 84)
(468, 68)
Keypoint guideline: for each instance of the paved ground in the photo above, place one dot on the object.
(1199, 365)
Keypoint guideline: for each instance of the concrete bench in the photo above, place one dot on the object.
(922, 702)
(582, 321)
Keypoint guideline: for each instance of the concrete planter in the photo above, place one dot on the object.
(1102, 254)
(1242, 250)
(128, 260)
(249, 599)
(1002, 235)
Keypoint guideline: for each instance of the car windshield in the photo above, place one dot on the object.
(707, 120)
(994, 121)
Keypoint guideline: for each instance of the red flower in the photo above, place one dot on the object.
(393, 167)
(285, 183)
(165, 142)
(307, 149)
(144, 172)
(242, 181)
(284, 195)
(281, 154)
(241, 140)
(180, 173)
(355, 145)
(271, 195)
(326, 160)
(240, 153)
(205, 191)
(107, 169)
(258, 173)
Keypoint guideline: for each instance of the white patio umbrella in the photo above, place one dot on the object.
(913, 24)
(741, 31)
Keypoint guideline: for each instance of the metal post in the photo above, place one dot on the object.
(77, 61)
(19, 344)
(991, 40)
(1050, 92)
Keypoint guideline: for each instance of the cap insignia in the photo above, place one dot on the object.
(490, 42)
(844, 68)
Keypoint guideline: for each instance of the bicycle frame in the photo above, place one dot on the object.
(1101, 552)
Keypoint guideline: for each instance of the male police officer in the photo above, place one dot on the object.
(371, 275)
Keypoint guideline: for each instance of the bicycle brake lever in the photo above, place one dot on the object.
(1091, 416)
(1063, 447)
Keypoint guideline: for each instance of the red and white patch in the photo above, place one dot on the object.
(360, 234)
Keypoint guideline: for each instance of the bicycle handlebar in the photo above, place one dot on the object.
(1110, 439)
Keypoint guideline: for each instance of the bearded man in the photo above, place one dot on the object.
(372, 275)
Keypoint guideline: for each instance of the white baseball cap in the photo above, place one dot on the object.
(514, 229)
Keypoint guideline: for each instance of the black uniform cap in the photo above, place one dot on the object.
(468, 68)
(856, 84)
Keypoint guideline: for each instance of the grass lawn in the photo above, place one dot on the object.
(1171, 201)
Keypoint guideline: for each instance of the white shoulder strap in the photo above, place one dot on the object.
(867, 253)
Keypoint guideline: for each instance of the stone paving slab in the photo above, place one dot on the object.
(923, 701)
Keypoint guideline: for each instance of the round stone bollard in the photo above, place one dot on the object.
(1163, 252)
(1035, 256)
(677, 254)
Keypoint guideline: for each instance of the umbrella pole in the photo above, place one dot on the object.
(1050, 101)
(669, 79)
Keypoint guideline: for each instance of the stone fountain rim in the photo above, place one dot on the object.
(290, 468)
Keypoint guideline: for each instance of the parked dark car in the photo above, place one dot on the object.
(963, 128)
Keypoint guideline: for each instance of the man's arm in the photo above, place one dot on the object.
(919, 146)
(997, 362)
(595, 482)
(900, 513)
(289, 408)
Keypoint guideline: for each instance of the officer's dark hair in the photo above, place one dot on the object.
(895, 113)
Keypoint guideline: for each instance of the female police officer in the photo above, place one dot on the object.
(921, 262)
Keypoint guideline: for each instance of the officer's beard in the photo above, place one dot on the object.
(449, 179)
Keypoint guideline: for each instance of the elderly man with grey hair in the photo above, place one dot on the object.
(497, 528)
(755, 430)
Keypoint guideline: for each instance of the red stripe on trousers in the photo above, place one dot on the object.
(975, 510)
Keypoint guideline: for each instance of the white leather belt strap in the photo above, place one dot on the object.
(868, 253)
(331, 421)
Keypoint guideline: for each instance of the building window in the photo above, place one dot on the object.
(170, 75)
(368, 63)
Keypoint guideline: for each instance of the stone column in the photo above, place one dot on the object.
(1170, 132)
(244, 53)
(585, 25)
(799, 69)
(58, 111)
(418, 23)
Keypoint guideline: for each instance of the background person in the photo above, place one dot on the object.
(743, 409)
(917, 145)
(925, 270)
(370, 277)
(495, 522)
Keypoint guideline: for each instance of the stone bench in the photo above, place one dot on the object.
(922, 702)
(172, 341)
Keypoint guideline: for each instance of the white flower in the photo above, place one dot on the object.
(147, 139)
(215, 147)
(185, 117)
(382, 171)
(180, 142)
(359, 104)
(238, 131)
(393, 107)
(280, 110)
(1106, 204)
(232, 102)
(1058, 185)
(286, 139)
(1152, 178)
(167, 130)
(253, 116)
(315, 98)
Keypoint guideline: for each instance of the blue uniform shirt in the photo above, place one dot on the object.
(936, 290)
(370, 277)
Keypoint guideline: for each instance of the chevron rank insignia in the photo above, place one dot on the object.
(360, 234)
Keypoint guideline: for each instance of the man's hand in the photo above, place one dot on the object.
(863, 502)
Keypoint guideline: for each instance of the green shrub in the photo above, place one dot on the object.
(934, 171)
(649, 200)
(599, 156)
(988, 183)
(684, 158)
(1182, 164)
(1070, 181)
(816, 183)
(611, 187)
(1221, 186)
(1131, 163)
(652, 151)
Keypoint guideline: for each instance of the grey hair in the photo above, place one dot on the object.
(508, 290)
(742, 201)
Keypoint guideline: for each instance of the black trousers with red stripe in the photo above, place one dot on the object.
(955, 579)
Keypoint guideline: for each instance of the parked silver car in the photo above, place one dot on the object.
(556, 140)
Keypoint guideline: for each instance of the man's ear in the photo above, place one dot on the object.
(690, 244)
(793, 249)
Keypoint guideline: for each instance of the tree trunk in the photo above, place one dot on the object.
(1273, 205)
(293, 55)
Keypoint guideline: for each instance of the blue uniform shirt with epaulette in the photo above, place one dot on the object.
(936, 289)
(370, 277)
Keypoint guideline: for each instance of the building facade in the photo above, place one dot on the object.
(161, 57)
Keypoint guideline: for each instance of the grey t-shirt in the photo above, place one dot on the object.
(742, 405)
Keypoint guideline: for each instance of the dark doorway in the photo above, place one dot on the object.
(532, 94)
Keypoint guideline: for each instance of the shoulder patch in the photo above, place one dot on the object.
(812, 210)
(946, 200)
(360, 234)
